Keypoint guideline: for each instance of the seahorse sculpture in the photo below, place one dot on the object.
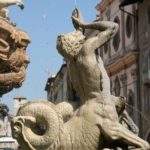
(95, 124)
(80, 132)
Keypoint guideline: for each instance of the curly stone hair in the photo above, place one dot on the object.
(70, 44)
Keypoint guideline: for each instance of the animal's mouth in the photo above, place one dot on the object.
(16, 130)
(10, 80)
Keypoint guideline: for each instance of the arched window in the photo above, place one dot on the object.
(148, 136)
(117, 86)
(130, 101)
(148, 14)
(148, 62)
(116, 40)
(128, 26)
(74, 95)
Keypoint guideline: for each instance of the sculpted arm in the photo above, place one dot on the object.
(107, 30)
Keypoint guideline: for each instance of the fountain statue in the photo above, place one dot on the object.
(13, 57)
(96, 124)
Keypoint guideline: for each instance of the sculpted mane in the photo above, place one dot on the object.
(13, 57)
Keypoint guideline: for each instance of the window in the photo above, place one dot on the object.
(123, 79)
(130, 101)
(117, 86)
(55, 96)
(147, 99)
(75, 98)
(74, 95)
(148, 64)
(146, 68)
(128, 26)
(148, 137)
(148, 14)
(116, 40)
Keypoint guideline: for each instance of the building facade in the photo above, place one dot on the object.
(144, 46)
(18, 102)
(6, 140)
(126, 58)
(56, 86)
(120, 55)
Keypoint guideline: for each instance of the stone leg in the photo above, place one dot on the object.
(115, 131)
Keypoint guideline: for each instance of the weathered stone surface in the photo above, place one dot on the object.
(97, 124)
(13, 58)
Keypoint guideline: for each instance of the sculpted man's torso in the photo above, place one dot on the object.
(85, 86)
(84, 70)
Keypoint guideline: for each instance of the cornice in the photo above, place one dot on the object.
(122, 63)
(103, 5)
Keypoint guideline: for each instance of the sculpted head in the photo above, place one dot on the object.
(13, 56)
(70, 44)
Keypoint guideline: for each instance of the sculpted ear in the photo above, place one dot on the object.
(65, 110)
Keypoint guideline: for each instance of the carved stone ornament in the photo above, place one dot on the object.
(13, 57)
(4, 4)
(95, 125)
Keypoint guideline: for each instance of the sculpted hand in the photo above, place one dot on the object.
(77, 23)
(75, 13)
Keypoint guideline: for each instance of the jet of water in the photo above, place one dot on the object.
(75, 2)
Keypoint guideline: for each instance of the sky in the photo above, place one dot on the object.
(44, 20)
